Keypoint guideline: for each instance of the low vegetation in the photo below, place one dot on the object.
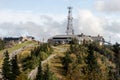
(38, 54)
(88, 61)
(10, 68)
(2, 44)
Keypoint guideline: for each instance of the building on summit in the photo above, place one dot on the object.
(10, 41)
(61, 39)
(18, 39)
(81, 38)
(66, 39)
(87, 38)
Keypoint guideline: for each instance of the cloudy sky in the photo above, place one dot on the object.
(45, 18)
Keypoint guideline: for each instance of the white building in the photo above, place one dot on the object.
(61, 39)
(66, 39)
(26, 38)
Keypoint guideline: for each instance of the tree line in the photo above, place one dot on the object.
(2, 44)
(10, 68)
(80, 62)
(92, 62)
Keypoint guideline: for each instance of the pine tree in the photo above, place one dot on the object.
(48, 75)
(72, 50)
(91, 61)
(66, 60)
(6, 68)
(116, 49)
(14, 67)
(22, 76)
(2, 44)
(39, 73)
(92, 66)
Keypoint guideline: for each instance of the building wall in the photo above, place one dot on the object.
(63, 39)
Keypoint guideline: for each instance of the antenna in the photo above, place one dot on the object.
(70, 30)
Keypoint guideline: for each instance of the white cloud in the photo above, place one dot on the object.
(14, 23)
(108, 5)
(89, 23)
(24, 16)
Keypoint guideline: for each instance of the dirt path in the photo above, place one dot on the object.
(16, 52)
(33, 73)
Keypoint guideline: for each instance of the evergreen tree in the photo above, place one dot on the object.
(116, 49)
(22, 76)
(39, 73)
(92, 66)
(6, 68)
(91, 60)
(79, 59)
(14, 67)
(66, 60)
(111, 73)
(71, 48)
(74, 41)
(48, 75)
(2, 44)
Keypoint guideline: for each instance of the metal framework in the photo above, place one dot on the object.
(70, 30)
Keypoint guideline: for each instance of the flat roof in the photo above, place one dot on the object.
(64, 36)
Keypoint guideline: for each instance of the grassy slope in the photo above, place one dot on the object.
(56, 64)
(18, 46)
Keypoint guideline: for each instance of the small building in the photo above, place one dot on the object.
(98, 39)
(18, 39)
(87, 38)
(11, 39)
(61, 39)
(27, 38)
(84, 39)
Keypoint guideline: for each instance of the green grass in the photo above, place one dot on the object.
(56, 64)
(17, 46)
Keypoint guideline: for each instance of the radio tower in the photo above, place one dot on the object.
(70, 30)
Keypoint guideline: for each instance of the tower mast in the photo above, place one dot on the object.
(70, 30)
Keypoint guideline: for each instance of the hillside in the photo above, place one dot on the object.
(67, 62)
(77, 67)
(18, 49)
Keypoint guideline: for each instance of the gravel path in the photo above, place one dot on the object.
(16, 52)
(33, 73)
